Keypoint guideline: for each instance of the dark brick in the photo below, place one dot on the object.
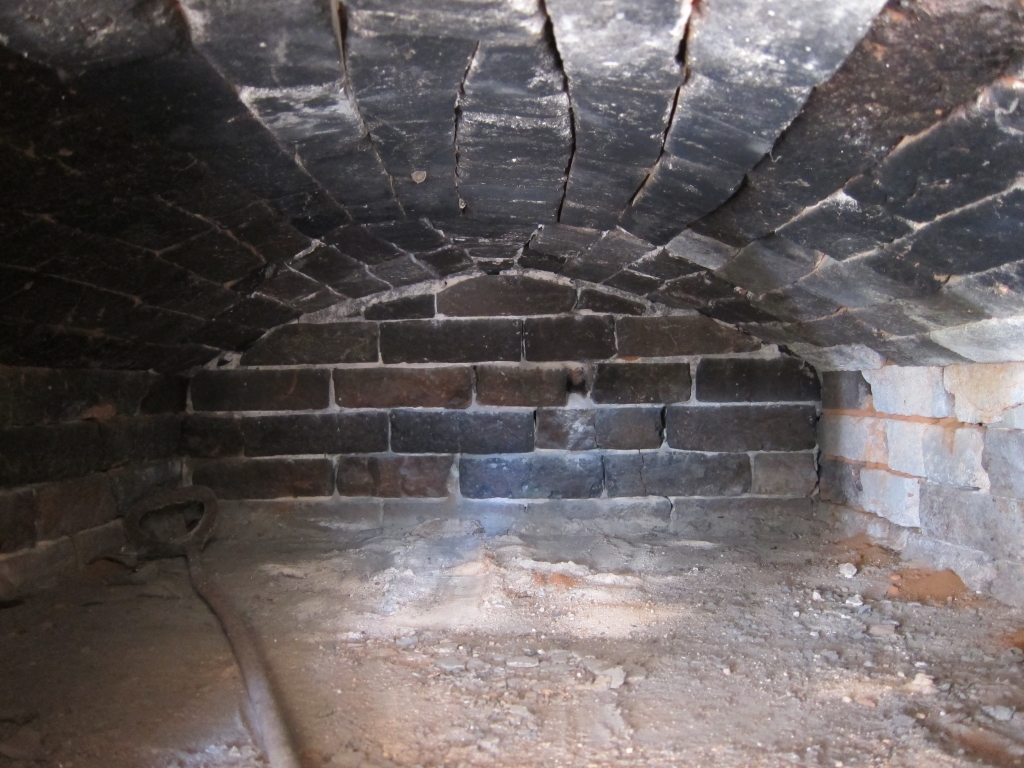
(410, 235)
(602, 301)
(615, 250)
(537, 476)
(17, 520)
(451, 341)
(505, 295)
(393, 477)
(136, 481)
(769, 264)
(586, 337)
(659, 473)
(308, 433)
(241, 390)
(266, 478)
(315, 343)
(259, 312)
(747, 518)
(572, 429)
(450, 387)
(693, 291)
(628, 428)
(450, 261)
(619, 383)
(461, 432)
(665, 266)
(633, 282)
(357, 243)
(741, 427)
(405, 308)
(678, 335)
(514, 385)
(845, 390)
(167, 394)
(840, 482)
(144, 438)
(73, 505)
(211, 437)
(401, 271)
(37, 454)
(738, 309)
(39, 395)
(735, 380)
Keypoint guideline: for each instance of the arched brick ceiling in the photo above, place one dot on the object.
(840, 177)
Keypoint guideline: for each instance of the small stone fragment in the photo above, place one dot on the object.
(450, 664)
(848, 570)
(922, 684)
(855, 600)
(521, 662)
(1000, 713)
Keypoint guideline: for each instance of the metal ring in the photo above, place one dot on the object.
(176, 547)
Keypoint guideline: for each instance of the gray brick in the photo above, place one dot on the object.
(573, 476)
(451, 341)
(741, 427)
(678, 335)
(266, 478)
(845, 390)
(242, 390)
(583, 337)
(394, 476)
(620, 383)
(661, 473)
(311, 433)
(415, 431)
(738, 380)
(1003, 459)
(784, 474)
(973, 519)
(571, 429)
(521, 385)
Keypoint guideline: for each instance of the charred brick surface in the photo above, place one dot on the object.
(521, 385)
(269, 390)
(741, 427)
(394, 476)
(308, 343)
(392, 387)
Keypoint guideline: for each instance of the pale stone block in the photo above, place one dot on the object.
(982, 393)
(1012, 419)
(974, 519)
(858, 438)
(975, 568)
(946, 455)
(911, 391)
(1004, 460)
(894, 497)
(987, 341)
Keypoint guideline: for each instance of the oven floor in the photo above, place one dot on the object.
(446, 647)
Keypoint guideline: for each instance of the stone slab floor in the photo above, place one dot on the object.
(442, 646)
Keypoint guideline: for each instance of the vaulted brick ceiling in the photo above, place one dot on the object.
(839, 177)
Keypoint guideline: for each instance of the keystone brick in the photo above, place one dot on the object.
(678, 335)
(741, 427)
(619, 383)
(521, 385)
(537, 476)
(450, 387)
(451, 341)
(461, 432)
(394, 476)
(315, 343)
(658, 473)
(741, 381)
(286, 435)
(266, 478)
(504, 295)
(275, 390)
(587, 337)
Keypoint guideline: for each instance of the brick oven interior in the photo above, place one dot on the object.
(581, 383)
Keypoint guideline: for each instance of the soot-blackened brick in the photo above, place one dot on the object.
(845, 390)
(658, 473)
(628, 428)
(405, 308)
(737, 380)
(505, 295)
(513, 385)
(211, 437)
(35, 454)
(73, 505)
(461, 432)
(316, 343)
(307, 433)
(394, 477)
(242, 390)
(619, 383)
(145, 438)
(266, 478)
(17, 520)
(451, 341)
(167, 394)
(588, 337)
(448, 387)
(602, 301)
(678, 335)
(577, 476)
(741, 427)
(572, 429)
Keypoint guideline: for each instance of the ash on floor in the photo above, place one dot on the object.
(446, 647)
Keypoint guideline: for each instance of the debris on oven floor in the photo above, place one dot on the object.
(446, 647)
